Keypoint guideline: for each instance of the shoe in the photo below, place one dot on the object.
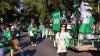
(34, 44)
(31, 42)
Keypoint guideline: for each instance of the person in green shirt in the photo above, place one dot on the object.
(1, 44)
(7, 37)
(32, 33)
(7, 34)
(41, 27)
(46, 32)
(74, 28)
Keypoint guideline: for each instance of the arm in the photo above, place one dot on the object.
(68, 35)
(57, 39)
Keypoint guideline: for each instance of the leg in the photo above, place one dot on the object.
(54, 42)
(12, 52)
(34, 41)
(40, 36)
(31, 39)
(2, 52)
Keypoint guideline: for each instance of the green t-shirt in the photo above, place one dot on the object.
(29, 28)
(33, 30)
(7, 35)
(41, 27)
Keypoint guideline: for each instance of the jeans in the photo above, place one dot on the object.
(2, 52)
(33, 39)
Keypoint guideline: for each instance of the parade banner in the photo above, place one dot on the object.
(56, 21)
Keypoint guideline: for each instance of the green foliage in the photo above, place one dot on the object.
(37, 6)
(6, 5)
(94, 5)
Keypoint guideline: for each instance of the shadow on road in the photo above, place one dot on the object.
(24, 44)
(95, 53)
(26, 53)
(29, 52)
(76, 51)
(39, 38)
(23, 36)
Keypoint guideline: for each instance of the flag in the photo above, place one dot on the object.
(56, 21)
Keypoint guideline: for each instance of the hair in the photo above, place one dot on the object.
(61, 26)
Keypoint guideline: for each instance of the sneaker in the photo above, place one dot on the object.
(31, 42)
(34, 44)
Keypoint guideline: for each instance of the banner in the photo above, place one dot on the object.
(56, 21)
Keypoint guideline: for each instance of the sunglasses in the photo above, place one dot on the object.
(63, 26)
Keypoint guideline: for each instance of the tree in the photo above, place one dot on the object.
(7, 7)
(41, 7)
(94, 4)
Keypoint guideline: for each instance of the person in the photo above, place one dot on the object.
(14, 30)
(73, 28)
(41, 30)
(15, 35)
(1, 44)
(51, 34)
(7, 36)
(46, 31)
(60, 36)
(93, 28)
(32, 33)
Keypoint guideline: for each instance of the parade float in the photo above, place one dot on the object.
(83, 38)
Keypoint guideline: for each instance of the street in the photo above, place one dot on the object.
(74, 23)
(45, 48)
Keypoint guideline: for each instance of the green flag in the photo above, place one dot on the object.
(56, 21)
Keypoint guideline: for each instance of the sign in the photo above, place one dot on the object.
(56, 21)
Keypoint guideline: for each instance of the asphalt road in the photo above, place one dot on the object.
(45, 48)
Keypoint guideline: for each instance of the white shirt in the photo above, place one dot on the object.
(61, 46)
(30, 33)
